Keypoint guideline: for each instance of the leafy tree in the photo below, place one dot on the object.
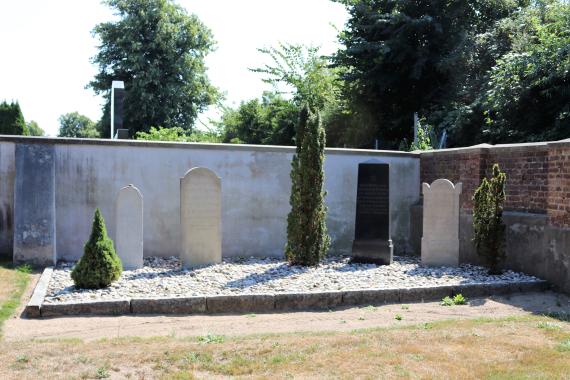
(528, 94)
(180, 135)
(269, 121)
(12, 120)
(76, 125)
(99, 266)
(307, 238)
(306, 73)
(488, 226)
(158, 50)
(34, 129)
(402, 57)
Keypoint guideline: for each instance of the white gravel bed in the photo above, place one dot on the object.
(164, 277)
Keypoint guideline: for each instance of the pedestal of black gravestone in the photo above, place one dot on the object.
(372, 242)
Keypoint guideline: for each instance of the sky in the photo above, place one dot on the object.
(47, 47)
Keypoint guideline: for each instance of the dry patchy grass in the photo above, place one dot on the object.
(13, 282)
(513, 348)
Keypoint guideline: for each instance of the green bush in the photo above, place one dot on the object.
(488, 226)
(307, 238)
(99, 266)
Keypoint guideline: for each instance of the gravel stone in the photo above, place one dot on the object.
(163, 277)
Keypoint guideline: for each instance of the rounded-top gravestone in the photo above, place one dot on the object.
(440, 241)
(129, 227)
(200, 218)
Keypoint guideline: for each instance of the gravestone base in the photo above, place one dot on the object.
(443, 252)
(373, 251)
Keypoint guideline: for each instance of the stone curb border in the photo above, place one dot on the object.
(259, 303)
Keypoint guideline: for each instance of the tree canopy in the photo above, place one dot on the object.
(12, 120)
(34, 129)
(405, 56)
(76, 125)
(270, 121)
(158, 50)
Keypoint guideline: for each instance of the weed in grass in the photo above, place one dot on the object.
(398, 317)
(251, 315)
(361, 318)
(548, 326)
(342, 321)
(405, 307)
(417, 357)
(426, 326)
(24, 268)
(369, 308)
(564, 346)
(458, 299)
(22, 359)
(211, 338)
(198, 357)
(102, 373)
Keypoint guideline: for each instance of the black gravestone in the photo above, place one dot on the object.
(119, 104)
(372, 242)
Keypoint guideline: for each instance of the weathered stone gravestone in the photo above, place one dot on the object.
(440, 241)
(372, 242)
(200, 218)
(129, 227)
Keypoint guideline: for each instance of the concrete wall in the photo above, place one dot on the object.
(255, 191)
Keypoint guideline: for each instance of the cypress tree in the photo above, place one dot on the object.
(99, 266)
(12, 120)
(307, 238)
(488, 226)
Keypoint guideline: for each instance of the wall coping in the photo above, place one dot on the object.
(488, 147)
(273, 148)
(192, 145)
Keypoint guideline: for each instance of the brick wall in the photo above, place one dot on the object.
(558, 196)
(538, 175)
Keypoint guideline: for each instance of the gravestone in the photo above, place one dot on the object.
(440, 240)
(129, 227)
(200, 218)
(34, 205)
(372, 241)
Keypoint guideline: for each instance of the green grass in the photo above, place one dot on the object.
(17, 278)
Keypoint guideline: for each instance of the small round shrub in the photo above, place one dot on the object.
(99, 266)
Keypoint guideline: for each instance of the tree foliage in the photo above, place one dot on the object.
(34, 129)
(178, 134)
(304, 72)
(99, 266)
(74, 124)
(402, 57)
(269, 121)
(307, 238)
(12, 120)
(488, 226)
(528, 93)
(158, 50)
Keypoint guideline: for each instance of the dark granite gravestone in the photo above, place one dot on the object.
(372, 241)
(119, 103)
